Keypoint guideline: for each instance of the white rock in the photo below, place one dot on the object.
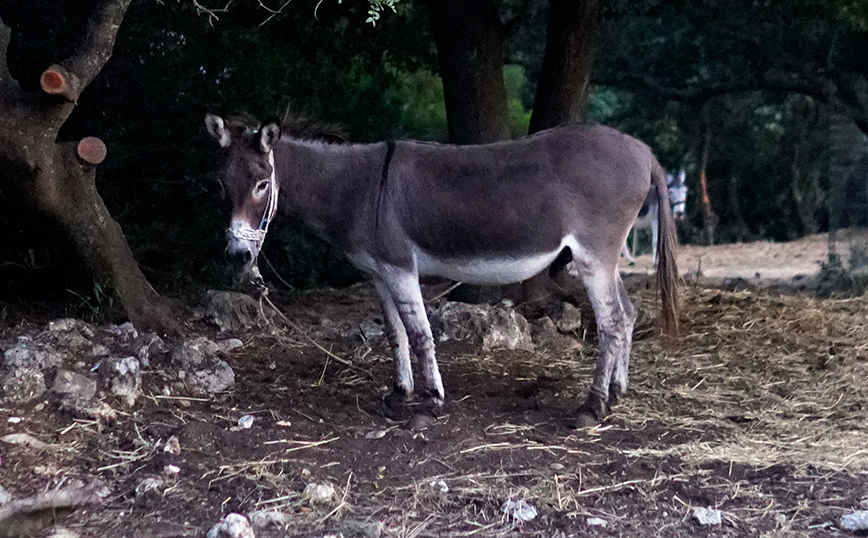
(319, 493)
(228, 345)
(440, 485)
(171, 469)
(855, 521)
(246, 422)
(173, 446)
(596, 522)
(232, 526)
(518, 510)
(25, 439)
(266, 518)
(707, 516)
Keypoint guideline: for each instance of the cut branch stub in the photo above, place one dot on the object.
(56, 80)
(91, 150)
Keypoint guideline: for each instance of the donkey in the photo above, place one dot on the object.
(648, 214)
(485, 214)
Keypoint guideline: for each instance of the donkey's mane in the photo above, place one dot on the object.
(292, 125)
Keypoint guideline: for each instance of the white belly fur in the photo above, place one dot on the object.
(493, 270)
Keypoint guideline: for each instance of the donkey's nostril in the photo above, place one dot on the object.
(238, 258)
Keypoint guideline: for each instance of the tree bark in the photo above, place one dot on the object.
(59, 178)
(571, 39)
(708, 216)
(470, 49)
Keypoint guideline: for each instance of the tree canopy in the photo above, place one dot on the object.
(758, 83)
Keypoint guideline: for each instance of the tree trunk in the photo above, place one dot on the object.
(470, 48)
(708, 216)
(59, 178)
(571, 39)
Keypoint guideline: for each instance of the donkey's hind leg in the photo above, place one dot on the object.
(404, 289)
(618, 383)
(395, 401)
(613, 322)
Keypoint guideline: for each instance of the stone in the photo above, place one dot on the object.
(21, 385)
(494, 327)
(707, 516)
(261, 519)
(228, 345)
(71, 324)
(88, 409)
(855, 521)
(126, 332)
(319, 493)
(147, 346)
(371, 329)
(123, 377)
(232, 526)
(569, 319)
(72, 384)
(546, 335)
(29, 354)
(200, 368)
(518, 510)
(596, 522)
(232, 311)
(5, 497)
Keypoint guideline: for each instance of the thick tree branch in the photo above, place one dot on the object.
(96, 48)
(6, 80)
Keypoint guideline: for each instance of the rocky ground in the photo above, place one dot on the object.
(754, 423)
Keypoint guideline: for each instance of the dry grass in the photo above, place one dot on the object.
(760, 410)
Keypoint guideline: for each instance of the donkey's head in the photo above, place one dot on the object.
(248, 177)
(678, 195)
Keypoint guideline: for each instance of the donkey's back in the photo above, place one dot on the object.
(577, 186)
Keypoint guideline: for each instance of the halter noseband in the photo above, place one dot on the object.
(258, 236)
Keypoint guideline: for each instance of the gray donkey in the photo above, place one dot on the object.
(485, 214)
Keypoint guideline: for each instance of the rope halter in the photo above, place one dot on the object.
(258, 236)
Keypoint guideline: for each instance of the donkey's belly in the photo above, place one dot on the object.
(492, 269)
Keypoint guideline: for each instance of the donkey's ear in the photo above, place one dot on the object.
(268, 136)
(217, 128)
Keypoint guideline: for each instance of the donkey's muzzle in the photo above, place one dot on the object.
(239, 258)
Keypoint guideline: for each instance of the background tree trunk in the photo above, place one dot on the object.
(59, 178)
(571, 38)
(470, 48)
(709, 217)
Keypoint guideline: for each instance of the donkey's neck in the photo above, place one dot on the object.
(329, 186)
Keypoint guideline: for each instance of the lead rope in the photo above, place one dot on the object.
(255, 277)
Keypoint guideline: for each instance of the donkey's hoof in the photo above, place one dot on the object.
(421, 421)
(585, 420)
(592, 412)
(395, 406)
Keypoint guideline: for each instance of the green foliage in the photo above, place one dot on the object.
(419, 97)
(519, 100)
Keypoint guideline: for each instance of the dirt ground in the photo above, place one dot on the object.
(759, 410)
(761, 263)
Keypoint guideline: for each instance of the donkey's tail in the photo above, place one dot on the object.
(667, 270)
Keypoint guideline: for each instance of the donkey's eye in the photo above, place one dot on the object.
(261, 187)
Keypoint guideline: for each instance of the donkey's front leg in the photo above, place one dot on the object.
(395, 401)
(404, 289)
